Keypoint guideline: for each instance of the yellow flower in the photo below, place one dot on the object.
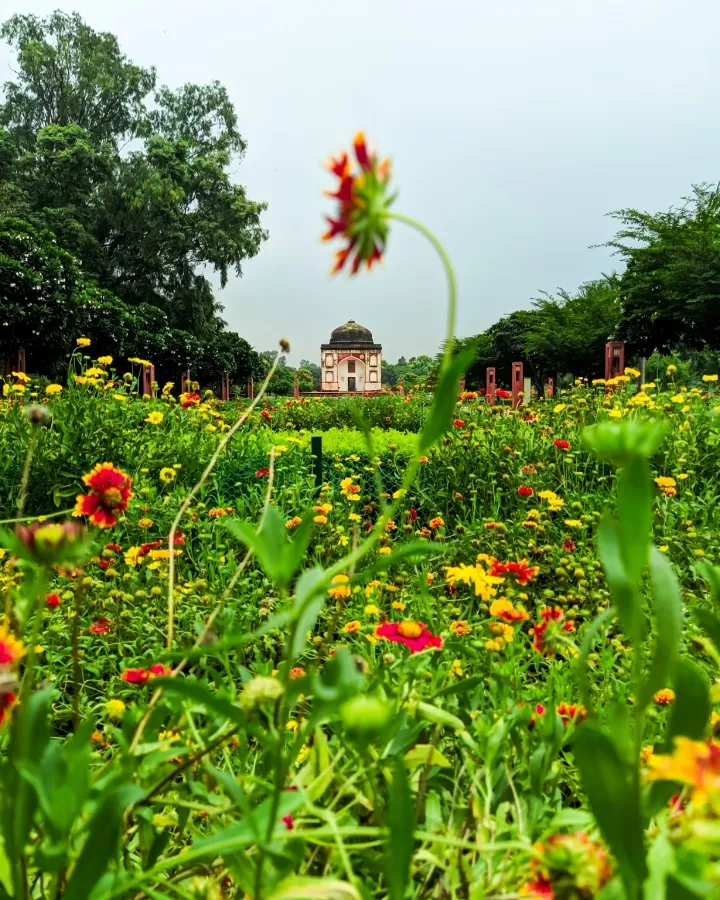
(648, 386)
(53, 389)
(385, 551)
(474, 576)
(456, 669)
(664, 697)
(118, 396)
(633, 373)
(573, 523)
(663, 481)
(352, 627)
(354, 517)
(559, 407)
(83, 342)
(671, 370)
(340, 588)
(320, 520)
(155, 418)
(502, 630)
(682, 476)
(597, 381)
(115, 708)
(708, 378)
(167, 475)
(494, 644)
(663, 548)
(19, 388)
(372, 610)
(399, 493)
(692, 763)
(678, 398)
(645, 754)
(145, 523)
(105, 360)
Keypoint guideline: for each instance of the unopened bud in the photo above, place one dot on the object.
(285, 345)
(37, 415)
(259, 691)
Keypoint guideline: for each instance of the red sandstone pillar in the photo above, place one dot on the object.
(550, 389)
(614, 359)
(225, 388)
(148, 377)
(296, 389)
(251, 388)
(490, 384)
(517, 383)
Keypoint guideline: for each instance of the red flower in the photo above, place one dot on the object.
(411, 515)
(458, 423)
(110, 495)
(266, 415)
(6, 701)
(262, 473)
(135, 676)
(504, 395)
(539, 711)
(525, 491)
(104, 563)
(562, 445)
(521, 570)
(288, 820)
(116, 548)
(570, 712)
(568, 546)
(152, 545)
(363, 202)
(529, 470)
(415, 635)
(101, 626)
(189, 399)
(538, 890)
(53, 600)
(542, 639)
(158, 669)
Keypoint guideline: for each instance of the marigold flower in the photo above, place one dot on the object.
(664, 697)
(110, 495)
(415, 635)
(363, 207)
(437, 522)
(293, 523)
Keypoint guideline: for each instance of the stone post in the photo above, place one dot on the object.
(517, 383)
(490, 384)
(251, 388)
(148, 377)
(550, 389)
(296, 389)
(527, 390)
(225, 388)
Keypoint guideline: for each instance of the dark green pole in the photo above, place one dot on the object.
(316, 450)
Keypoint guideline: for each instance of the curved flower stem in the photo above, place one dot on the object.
(451, 281)
(360, 551)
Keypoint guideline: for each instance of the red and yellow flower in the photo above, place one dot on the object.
(109, 495)
(363, 201)
(415, 635)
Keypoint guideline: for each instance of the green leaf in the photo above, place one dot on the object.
(443, 407)
(622, 591)
(711, 574)
(614, 799)
(201, 694)
(668, 624)
(621, 442)
(297, 888)
(103, 841)
(401, 825)
(309, 600)
(422, 754)
(690, 712)
(591, 633)
(635, 516)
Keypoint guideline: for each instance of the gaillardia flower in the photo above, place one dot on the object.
(110, 495)
(363, 203)
(415, 635)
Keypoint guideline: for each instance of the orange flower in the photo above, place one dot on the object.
(110, 495)
(363, 206)
(460, 628)
(437, 522)
(664, 697)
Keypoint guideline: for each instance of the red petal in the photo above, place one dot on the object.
(361, 151)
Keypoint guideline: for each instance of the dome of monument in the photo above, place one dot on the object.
(351, 334)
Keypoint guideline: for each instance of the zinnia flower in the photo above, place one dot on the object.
(363, 206)
(110, 495)
(415, 635)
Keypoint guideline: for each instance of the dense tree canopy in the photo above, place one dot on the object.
(133, 182)
(670, 290)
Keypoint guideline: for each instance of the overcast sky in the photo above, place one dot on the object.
(513, 128)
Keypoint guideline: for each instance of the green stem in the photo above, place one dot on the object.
(450, 275)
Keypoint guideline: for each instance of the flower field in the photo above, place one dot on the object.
(469, 652)
(431, 697)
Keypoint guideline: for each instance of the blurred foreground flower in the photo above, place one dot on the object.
(363, 204)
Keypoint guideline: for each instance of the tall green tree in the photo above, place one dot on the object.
(670, 289)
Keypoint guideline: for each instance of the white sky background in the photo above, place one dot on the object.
(513, 128)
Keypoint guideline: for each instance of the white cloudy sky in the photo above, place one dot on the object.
(513, 128)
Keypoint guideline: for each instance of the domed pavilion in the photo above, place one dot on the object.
(351, 361)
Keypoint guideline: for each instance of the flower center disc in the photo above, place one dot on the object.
(409, 629)
(112, 498)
